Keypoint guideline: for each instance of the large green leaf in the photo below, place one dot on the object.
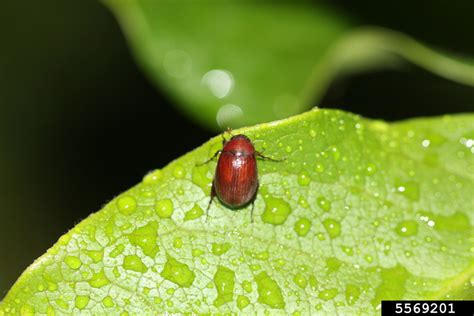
(359, 211)
(234, 64)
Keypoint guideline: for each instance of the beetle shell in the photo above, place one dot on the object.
(236, 179)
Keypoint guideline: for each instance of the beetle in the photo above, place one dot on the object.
(235, 182)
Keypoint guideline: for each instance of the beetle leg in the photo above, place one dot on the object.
(260, 155)
(210, 159)
(213, 194)
(251, 211)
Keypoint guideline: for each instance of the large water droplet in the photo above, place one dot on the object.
(177, 272)
(242, 302)
(332, 227)
(304, 178)
(319, 167)
(134, 263)
(269, 293)
(328, 294)
(193, 213)
(407, 228)
(199, 178)
(224, 280)
(127, 204)
(302, 226)
(81, 301)
(392, 285)
(276, 211)
(153, 177)
(247, 286)
(300, 280)
(164, 208)
(219, 249)
(108, 302)
(95, 255)
(145, 237)
(352, 294)
(99, 279)
(324, 204)
(117, 251)
(73, 262)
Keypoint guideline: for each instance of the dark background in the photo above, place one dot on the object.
(80, 123)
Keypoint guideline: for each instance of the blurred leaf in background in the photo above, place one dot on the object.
(235, 64)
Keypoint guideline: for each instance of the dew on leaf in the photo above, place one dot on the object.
(319, 168)
(127, 204)
(348, 250)
(62, 303)
(313, 282)
(324, 203)
(95, 255)
(409, 189)
(177, 272)
(370, 169)
(247, 286)
(199, 178)
(269, 293)
(303, 202)
(108, 302)
(178, 242)
(392, 285)
(134, 263)
(352, 294)
(178, 172)
(407, 228)
(164, 208)
(99, 279)
(302, 226)
(153, 177)
(333, 264)
(304, 178)
(328, 294)
(73, 262)
(145, 237)
(312, 133)
(193, 213)
(224, 280)
(300, 280)
(332, 227)
(117, 251)
(276, 211)
(27, 310)
(242, 302)
(81, 301)
(219, 249)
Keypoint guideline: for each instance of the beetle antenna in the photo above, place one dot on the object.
(210, 159)
(260, 155)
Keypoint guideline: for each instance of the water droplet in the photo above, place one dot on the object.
(178, 172)
(336, 155)
(302, 226)
(73, 262)
(95, 255)
(319, 168)
(312, 133)
(409, 189)
(370, 169)
(164, 208)
(328, 294)
(392, 286)
(219, 249)
(99, 279)
(304, 179)
(247, 286)
(193, 213)
(407, 228)
(134, 263)
(108, 302)
(300, 280)
(276, 211)
(117, 251)
(127, 204)
(288, 149)
(332, 227)
(145, 237)
(242, 302)
(62, 303)
(177, 272)
(352, 294)
(153, 177)
(81, 301)
(25, 310)
(333, 264)
(349, 251)
(199, 178)
(269, 293)
(224, 280)
(324, 204)
(178, 242)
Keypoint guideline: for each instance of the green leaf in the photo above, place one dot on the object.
(359, 211)
(235, 64)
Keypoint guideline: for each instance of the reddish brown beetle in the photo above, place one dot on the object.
(236, 179)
